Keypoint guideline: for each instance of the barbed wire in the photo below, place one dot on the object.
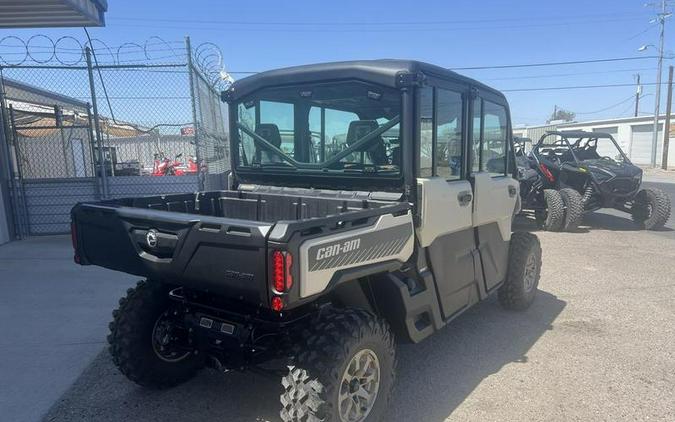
(68, 51)
(41, 49)
(208, 58)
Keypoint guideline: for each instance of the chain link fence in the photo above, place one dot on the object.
(130, 121)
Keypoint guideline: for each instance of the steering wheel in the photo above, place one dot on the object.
(607, 158)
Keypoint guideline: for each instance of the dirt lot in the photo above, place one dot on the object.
(597, 344)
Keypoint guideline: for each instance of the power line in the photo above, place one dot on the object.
(557, 75)
(649, 28)
(603, 16)
(509, 66)
(562, 88)
(631, 106)
(291, 28)
(631, 98)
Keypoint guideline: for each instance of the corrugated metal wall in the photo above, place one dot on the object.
(48, 207)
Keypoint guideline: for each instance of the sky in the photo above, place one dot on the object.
(261, 35)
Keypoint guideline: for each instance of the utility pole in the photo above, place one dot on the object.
(662, 16)
(638, 92)
(666, 126)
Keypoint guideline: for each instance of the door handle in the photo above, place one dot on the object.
(512, 191)
(464, 198)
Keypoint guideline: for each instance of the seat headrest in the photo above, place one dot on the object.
(270, 132)
(360, 128)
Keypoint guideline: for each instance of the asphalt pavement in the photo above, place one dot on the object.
(596, 345)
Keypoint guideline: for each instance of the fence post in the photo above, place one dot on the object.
(92, 150)
(97, 126)
(23, 215)
(195, 125)
(666, 124)
(10, 195)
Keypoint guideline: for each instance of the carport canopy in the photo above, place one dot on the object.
(52, 13)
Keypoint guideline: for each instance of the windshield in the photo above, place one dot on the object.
(336, 128)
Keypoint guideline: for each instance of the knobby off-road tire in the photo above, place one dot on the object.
(522, 278)
(651, 209)
(553, 217)
(326, 358)
(132, 344)
(574, 209)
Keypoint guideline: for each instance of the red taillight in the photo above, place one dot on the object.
(547, 173)
(277, 304)
(278, 270)
(282, 280)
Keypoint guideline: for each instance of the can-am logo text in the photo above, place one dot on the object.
(338, 248)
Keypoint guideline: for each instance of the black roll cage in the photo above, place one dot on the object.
(579, 135)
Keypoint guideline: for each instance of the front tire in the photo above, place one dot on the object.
(651, 209)
(343, 370)
(145, 344)
(552, 217)
(574, 209)
(522, 278)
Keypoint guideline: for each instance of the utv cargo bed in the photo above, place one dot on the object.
(215, 241)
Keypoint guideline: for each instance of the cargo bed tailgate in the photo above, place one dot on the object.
(222, 255)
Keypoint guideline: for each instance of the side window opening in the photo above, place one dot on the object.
(426, 131)
(489, 138)
(448, 132)
(494, 150)
(440, 133)
(476, 135)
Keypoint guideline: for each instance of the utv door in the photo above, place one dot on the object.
(495, 190)
(446, 197)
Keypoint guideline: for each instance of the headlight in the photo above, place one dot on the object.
(638, 177)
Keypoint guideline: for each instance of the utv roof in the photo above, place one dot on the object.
(579, 134)
(385, 72)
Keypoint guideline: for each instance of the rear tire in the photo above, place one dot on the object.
(132, 339)
(651, 209)
(522, 278)
(552, 217)
(344, 355)
(574, 209)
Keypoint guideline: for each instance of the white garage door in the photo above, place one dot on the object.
(641, 148)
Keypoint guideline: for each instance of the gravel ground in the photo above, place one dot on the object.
(596, 345)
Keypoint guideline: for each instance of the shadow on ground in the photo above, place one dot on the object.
(622, 222)
(434, 377)
(602, 220)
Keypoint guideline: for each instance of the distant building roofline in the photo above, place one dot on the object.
(52, 13)
(44, 93)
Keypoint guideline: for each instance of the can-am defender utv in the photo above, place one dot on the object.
(363, 205)
(569, 173)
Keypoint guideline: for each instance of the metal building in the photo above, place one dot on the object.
(52, 13)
